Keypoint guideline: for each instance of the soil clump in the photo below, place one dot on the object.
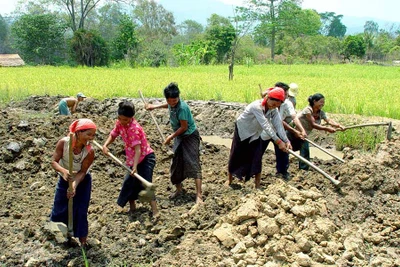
(306, 221)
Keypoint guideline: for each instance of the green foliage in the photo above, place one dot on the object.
(126, 42)
(84, 257)
(109, 21)
(153, 54)
(4, 37)
(375, 86)
(246, 50)
(156, 23)
(190, 31)
(39, 39)
(353, 45)
(89, 49)
(365, 138)
(371, 29)
(332, 25)
(220, 33)
(273, 18)
(196, 53)
(296, 22)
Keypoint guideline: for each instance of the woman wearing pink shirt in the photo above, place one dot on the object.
(139, 156)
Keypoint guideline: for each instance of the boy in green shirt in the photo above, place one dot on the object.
(186, 160)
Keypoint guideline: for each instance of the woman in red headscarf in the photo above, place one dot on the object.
(84, 131)
(246, 149)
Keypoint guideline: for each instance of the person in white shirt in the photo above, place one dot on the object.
(246, 150)
(288, 115)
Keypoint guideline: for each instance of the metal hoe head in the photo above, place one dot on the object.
(389, 131)
(147, 194)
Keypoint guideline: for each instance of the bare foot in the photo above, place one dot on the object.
(131, 211)
(155, 218)
(228, 183)
(199, 200)
(175, 194)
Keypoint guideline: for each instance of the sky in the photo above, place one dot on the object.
(382, 9)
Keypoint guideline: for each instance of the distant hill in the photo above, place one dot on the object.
(200, 11)
(356, 25)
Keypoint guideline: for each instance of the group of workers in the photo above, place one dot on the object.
(140, 158)
(271, 118)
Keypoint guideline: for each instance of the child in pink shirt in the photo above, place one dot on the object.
(139, 156)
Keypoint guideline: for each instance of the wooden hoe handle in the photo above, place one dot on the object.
(71, 171)
(140, 178)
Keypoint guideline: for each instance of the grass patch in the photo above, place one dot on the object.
(365, 138)
(349, 89)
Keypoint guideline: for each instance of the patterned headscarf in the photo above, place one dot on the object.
(81, 124)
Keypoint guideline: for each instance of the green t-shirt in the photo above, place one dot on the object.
(181, 112)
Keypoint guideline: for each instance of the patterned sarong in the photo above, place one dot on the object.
(186, 160)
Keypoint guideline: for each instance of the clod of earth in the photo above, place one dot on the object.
(305, 221)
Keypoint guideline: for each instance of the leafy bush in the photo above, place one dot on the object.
(89, 48)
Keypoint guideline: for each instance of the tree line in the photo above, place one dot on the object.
(143, 33)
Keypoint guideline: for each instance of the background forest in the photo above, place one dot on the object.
(143, 33)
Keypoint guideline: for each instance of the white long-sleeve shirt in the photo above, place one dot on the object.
(256, 119)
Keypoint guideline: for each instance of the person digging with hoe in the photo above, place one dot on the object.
(83, 131)
(246, 150)
(68, 105)
(139, 156)
(186, 159)
(311, 118)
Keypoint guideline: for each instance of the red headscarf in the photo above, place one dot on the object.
(81, 124)
(276, 93)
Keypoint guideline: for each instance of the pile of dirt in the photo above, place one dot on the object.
(306, 221)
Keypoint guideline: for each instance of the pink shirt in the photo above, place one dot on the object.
(132, 135)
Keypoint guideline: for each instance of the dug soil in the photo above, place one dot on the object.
(306, 221)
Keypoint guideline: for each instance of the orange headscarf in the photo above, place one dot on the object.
(81, 124)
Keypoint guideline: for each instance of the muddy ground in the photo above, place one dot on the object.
(307, 221)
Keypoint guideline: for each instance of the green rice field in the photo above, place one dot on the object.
(348, 88)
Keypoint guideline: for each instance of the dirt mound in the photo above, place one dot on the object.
(304, 222)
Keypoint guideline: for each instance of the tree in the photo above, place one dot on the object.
(4, 36)
(109, 20)
(242, 26)
(126, 41)
(297, 22)
(39, 38)
(267, 12)
(196, 53)
(153, 54)
(78, 11)
(220, 32)
(155, 22)
(332, 25)
(353, 45)
(89, 48)
(384, 43)
(371, 30)
(189, 31)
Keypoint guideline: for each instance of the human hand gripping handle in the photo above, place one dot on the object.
(140, 178)
(282, 146)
